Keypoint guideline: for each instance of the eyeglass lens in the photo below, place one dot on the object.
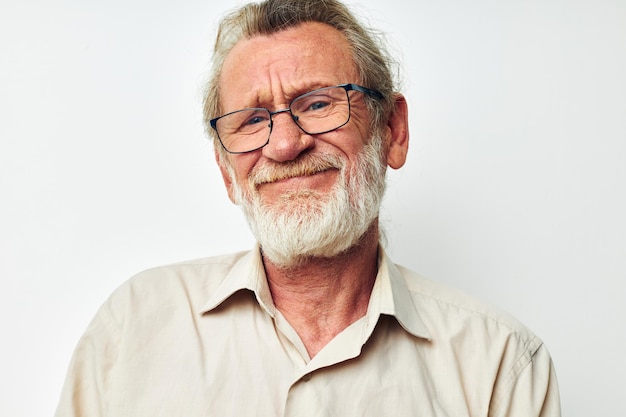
(316, 112)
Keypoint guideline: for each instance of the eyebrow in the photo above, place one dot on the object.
(287, 97)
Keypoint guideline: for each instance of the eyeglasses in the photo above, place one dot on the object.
(316, 112)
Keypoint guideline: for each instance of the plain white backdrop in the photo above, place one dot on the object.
(514, 189)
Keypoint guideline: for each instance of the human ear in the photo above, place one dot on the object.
(398, 133)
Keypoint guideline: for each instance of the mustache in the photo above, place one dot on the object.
(308, 164)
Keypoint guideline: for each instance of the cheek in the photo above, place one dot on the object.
(242, 165)
(349, 139)
(360, 120)
(352, 144)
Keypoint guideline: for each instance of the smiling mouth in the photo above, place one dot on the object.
(287, 176)
(308, 166)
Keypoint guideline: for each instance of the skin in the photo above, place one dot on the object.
(269, 71)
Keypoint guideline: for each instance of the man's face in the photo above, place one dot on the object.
(303, 195)
(269, 71)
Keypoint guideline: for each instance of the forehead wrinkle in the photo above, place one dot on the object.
(277, 93)
(258, 75)
(285, 76)
(268, 88)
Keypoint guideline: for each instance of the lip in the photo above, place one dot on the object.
(309, 181)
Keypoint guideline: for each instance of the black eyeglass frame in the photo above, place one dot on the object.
(347, 87)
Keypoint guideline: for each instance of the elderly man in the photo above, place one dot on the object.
(316, 320)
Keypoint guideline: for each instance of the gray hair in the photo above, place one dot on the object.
(371, 58)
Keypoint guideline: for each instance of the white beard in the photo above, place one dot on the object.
(306, 224)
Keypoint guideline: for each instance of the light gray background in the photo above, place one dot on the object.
(513, 190)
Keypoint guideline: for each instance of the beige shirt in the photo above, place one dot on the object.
(203, 338)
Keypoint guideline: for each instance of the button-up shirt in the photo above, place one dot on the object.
(203, 338)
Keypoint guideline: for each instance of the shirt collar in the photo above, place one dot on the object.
(390, 295)
(248, 273)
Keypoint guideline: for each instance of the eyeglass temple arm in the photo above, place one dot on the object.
(365, 90)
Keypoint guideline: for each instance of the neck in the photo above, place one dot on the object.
(322, 296)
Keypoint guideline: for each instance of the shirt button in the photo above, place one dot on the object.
(307, 377)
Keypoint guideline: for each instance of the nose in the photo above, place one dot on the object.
(287, 140)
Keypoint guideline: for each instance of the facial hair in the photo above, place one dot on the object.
(307, 224)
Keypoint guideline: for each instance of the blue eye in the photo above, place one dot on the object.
(318, 105)
(254, 120)
(312, 104)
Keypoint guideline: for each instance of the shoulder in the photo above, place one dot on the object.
(482, 343)
(481, 354)
(452, 314)
(201, 271)
(182, 285)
